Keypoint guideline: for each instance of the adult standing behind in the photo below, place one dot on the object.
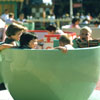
(11, 19)
(5, 15)
(21, 18)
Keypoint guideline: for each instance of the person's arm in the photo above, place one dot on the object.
(5, 46)
(17, 22)
(63, 49)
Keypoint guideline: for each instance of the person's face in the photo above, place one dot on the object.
(51, 32)
(6, 12)
(33, 43)
(77, 22)
(21, 17)
(17, 36)
(85, 35)
(13, 16)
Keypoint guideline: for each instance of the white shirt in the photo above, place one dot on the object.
(21, 20)
(9, 21)
(2, 24)
(69, 47)
(99, 26)
(2, 27)
(4, 17)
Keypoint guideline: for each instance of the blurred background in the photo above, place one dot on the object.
(50, 10)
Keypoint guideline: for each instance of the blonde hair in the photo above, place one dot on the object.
(88, 29)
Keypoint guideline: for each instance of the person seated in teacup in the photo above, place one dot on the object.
(28, 41)
(13, 33)
(51, 30)
(75, 24)
(85, 39)
(65, 43)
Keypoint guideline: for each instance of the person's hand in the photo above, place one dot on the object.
(63, 49)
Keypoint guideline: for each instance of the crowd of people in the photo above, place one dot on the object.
(13, 33)
(18, 36)
(9, 17)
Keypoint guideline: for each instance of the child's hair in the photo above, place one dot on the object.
(11, 14)
(51, 28)
(65, 39)
(13, 29)
(26, 37)
(75, 20)
(88, 29)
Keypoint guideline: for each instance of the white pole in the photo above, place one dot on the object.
(71, 8)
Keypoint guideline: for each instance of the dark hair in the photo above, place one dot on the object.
(11, 14)
(13, 28)
(75, 20)
(64, 39)
(6, 10)
(51, 28)
(25, 38)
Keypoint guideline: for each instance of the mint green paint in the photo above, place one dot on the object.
(56, 43)
(50, 74)
(30, 26)
(15, 9)
(10, 2)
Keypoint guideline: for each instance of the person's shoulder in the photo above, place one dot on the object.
(69, 47)
(77, 39)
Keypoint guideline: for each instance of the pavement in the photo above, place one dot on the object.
(5, 95)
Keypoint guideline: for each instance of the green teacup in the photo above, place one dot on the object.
(51, 74)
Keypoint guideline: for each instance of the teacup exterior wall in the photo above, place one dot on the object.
(51, 74)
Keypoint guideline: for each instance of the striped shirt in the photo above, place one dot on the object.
(78, 43)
